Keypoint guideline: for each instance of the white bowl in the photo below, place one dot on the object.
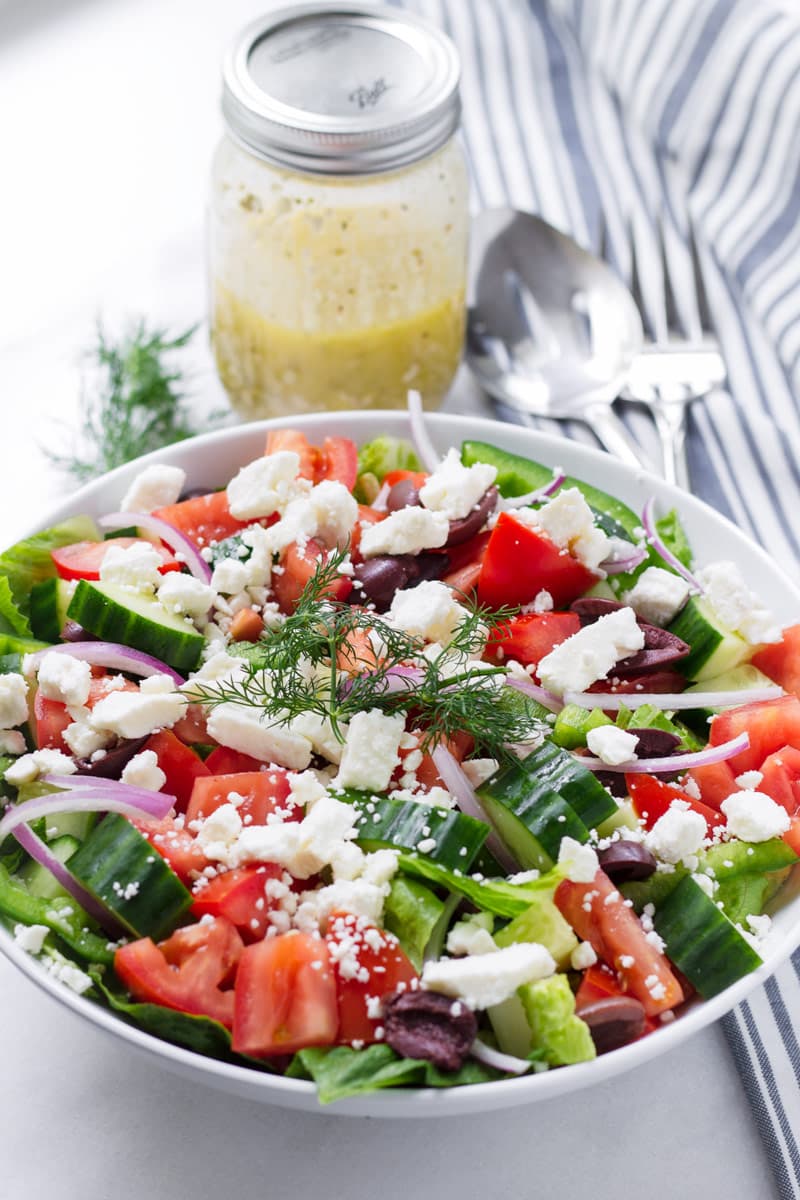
(210, 461)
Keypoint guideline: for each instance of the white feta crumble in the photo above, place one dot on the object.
(427, 611)
(370, 752)
(478, 770)
(143, 771)
(612, 745)
(218, 834)
(135, 566)
(259, 561)
(13, 700)
(319, 732)
(64, 678)
(582, 957)
(335, 511)
(30, 938)
(678, 834)
(568, 521)
(754, 816)
(154, 487)
(484, 980)
(11, 742)
(243, 728)
(591, 653)
(749, 780)
(380, 867)
(185, 594)
(355, 896)
(453, 489)
(472, 936)
(83, 741)
(302, 847)
(229, 577)
(134, 714)
(407, 531)
(581, 861)
(543, 602)
(40, 762)
(658, 595)
(68, 974)
(736, 606)
(265, 485)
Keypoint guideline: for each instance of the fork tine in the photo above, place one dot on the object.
(703, 308)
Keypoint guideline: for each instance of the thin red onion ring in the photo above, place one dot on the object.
(183, 549)
(545, 698)
(110, 654)
(612, 701)
(656, 541)
(616, 566)
(495, 1058)
(419, 434)
(508, 502)
(84, 794)
(41, 853)
(464, 795)
(675, 762)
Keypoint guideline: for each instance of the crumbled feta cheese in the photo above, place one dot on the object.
(154, 487)
(754, 816)
(749, 780)
(582, 956)
(259, 562)
(486, 979)
(230, 576)
(678, 834)
(568, 521)
(305, 789)
(134, 714)
(320, 733)
(380, 867)
(407, 531)
(542, 602)
(11, 742)
(30, 938)
(478, 770)
(335, 511)
(218, 834)
(158, 684)
(135, 566)
(591, 653)
(13, 700)
(658, 595)
(264, 486)
(427, 611)
(83, 741)
(736, 606)
(185, 594)
(453, 489)
(70, 975)
(244, 728)
(370, 752)
(612, 745)
(143, 771)
(354, 896)
(302, 847)
(40, 762)
(472, 936)
(64, 678)
(581, 861)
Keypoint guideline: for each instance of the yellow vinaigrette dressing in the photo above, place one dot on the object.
(338, 238)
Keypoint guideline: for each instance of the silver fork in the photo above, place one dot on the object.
(681, 362)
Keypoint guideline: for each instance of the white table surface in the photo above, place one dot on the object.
(108, 116)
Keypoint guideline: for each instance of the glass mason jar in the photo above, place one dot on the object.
(339, 213)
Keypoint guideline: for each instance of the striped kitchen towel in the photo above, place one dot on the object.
(606, 113)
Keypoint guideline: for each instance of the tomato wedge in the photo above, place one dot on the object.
(203, 519)
(82, 560)
(292, 439)
(259, 794)
(224, 761)
(781, 660)
(770, 725)
(376, 967)
(599, 915)
(520, 562)
(180, 765)
(239, 896)
(175, 843)
(531, 636)
(298, 564)
(285, 996)
(780, 778)
(338, 460)
(652, 797)
(187, 971)
(716, 782)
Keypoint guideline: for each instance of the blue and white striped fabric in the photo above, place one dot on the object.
(609, 113)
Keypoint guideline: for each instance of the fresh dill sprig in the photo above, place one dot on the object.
(335, 660)
(131, 401)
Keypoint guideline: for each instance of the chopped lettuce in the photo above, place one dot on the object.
(674, 537)
(28, 562)
(12, 620)
(384, 454)
(412, 913)
(339, 1071)
(491, 895)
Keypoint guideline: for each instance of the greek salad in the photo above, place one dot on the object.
(379, 768)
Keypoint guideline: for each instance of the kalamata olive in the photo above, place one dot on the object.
(474, 521)
(643, 681)
(614, 781)
(381, 577)
(589, 608)
(402, 494)
(428, 1025)
(625, 861)
(613, 1021)
(115, 759)
(73, 632)
(429, 566)
(655, 743)
(660, 647)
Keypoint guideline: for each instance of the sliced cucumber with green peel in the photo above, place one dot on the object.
(715, 650)
(41, 882)
(557, 770)
(120, 868)
(136, 619)
(447, 836)
(49, 603)
(701, 941)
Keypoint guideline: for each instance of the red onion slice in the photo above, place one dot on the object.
(675, 762)
(464, 795)
(180, 545)
(495, 1058)
(509, 502)
(110, 654)
(656, 541)
(616, 566)
(85, 794)
(419, 434)
(41, 853)
(545, 698)
(613, 701)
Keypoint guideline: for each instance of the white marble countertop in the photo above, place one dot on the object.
(109, 118)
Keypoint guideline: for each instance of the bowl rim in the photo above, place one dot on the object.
(446, 428)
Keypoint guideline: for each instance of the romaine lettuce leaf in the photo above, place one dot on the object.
(339, 1071)
(29, 561)
(412, 912)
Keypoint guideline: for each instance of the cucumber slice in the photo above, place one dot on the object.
(557, 770)
(38, 880)
(701, 941)
(407, 825)
(122, 870)
(138, 620)
(715, 650)
(49, 603)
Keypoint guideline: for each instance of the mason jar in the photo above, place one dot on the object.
(339, 213)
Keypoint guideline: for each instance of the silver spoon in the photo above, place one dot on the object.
(552, 331)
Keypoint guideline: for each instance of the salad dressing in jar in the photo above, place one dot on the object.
(339, 218)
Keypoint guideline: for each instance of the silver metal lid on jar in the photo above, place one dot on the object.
(340, 89)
